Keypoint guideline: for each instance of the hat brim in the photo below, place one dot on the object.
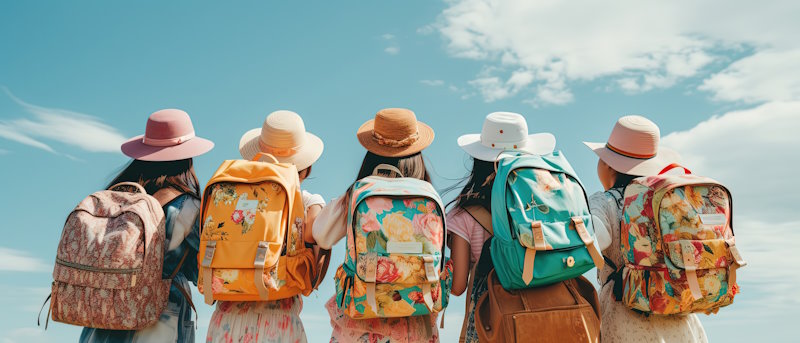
(635, 166)
(134, 148)
(366, 139)
(306, 155)
(537, 144)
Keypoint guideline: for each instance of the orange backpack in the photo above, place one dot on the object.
(251, 241)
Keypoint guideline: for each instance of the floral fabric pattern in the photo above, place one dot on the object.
(542, 192)
(418, 329)
(672, 224)
(174, 322)
(620, 324)
(238, 216)
(257, 321)
(395, 246)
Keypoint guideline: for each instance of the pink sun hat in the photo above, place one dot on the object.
(633, 148)
(168, 136)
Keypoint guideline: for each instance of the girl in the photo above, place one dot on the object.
(163, 166)
(284, 136)
(631, 151)
(396, 138)
(470, 219)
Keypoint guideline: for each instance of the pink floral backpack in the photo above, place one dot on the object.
(108, 266)
(678, 245)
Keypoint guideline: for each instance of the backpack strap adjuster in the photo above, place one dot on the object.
(370, 275)
(211, 246)
(689, 265)
(580, 227)
(258, 264)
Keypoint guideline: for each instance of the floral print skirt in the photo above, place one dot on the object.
(621, 324)
(417, 329)
(257, 321)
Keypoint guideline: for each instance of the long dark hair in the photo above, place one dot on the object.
(157, 175)
(477, 187)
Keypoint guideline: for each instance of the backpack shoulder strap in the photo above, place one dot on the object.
(165, 195)
(482, 216)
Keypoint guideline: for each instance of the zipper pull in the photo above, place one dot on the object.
(133, 280)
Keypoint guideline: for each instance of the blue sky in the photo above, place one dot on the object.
(721, 78)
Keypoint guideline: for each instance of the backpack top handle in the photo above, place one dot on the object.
(387, 167)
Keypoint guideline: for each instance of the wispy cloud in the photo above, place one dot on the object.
(560, 43)
(4, 152)
(20, 261)
(432, 83)
(59, 126)
(392, 49)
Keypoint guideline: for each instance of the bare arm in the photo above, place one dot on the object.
(459, 254)
(311, 215)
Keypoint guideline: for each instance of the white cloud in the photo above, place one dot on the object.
(62, 126)
(432, 83)
(753, 150)
(11, 132)
(392, 50)
(765, 76)
(754, 153)
(4, 152)
(638, 45)
(20, 261)
(387, 36)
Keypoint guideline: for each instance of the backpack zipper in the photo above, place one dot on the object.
(98, 269)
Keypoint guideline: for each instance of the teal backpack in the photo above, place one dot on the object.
(542, 227)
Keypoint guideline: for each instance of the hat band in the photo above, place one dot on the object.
(629, 154)
(504, 145)
(394, 143)
(167, 141)
(280, 152)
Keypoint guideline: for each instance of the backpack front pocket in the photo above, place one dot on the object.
(664, 291)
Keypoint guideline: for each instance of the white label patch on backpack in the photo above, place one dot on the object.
(248, 208)
(394, 247)
(712, 218)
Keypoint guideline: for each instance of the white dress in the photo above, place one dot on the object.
(620, 324)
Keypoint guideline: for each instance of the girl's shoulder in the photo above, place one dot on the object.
(310, 199)
(461, 222)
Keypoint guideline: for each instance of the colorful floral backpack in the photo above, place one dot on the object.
(395, 264)
(678, 245)
(251, 243)
(108, 270)
(542, 227)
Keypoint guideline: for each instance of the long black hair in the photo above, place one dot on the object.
(477, 187)
(161, 174)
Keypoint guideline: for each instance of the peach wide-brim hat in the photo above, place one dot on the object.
(284, 136)
(504, 131)
(169, 136)
(633, 148)
(395, 132)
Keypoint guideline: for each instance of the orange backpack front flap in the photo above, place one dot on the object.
(251, 243)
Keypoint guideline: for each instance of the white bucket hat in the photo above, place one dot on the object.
(284, 136)
(505, 131)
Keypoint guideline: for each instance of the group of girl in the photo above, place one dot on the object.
(162, 158)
